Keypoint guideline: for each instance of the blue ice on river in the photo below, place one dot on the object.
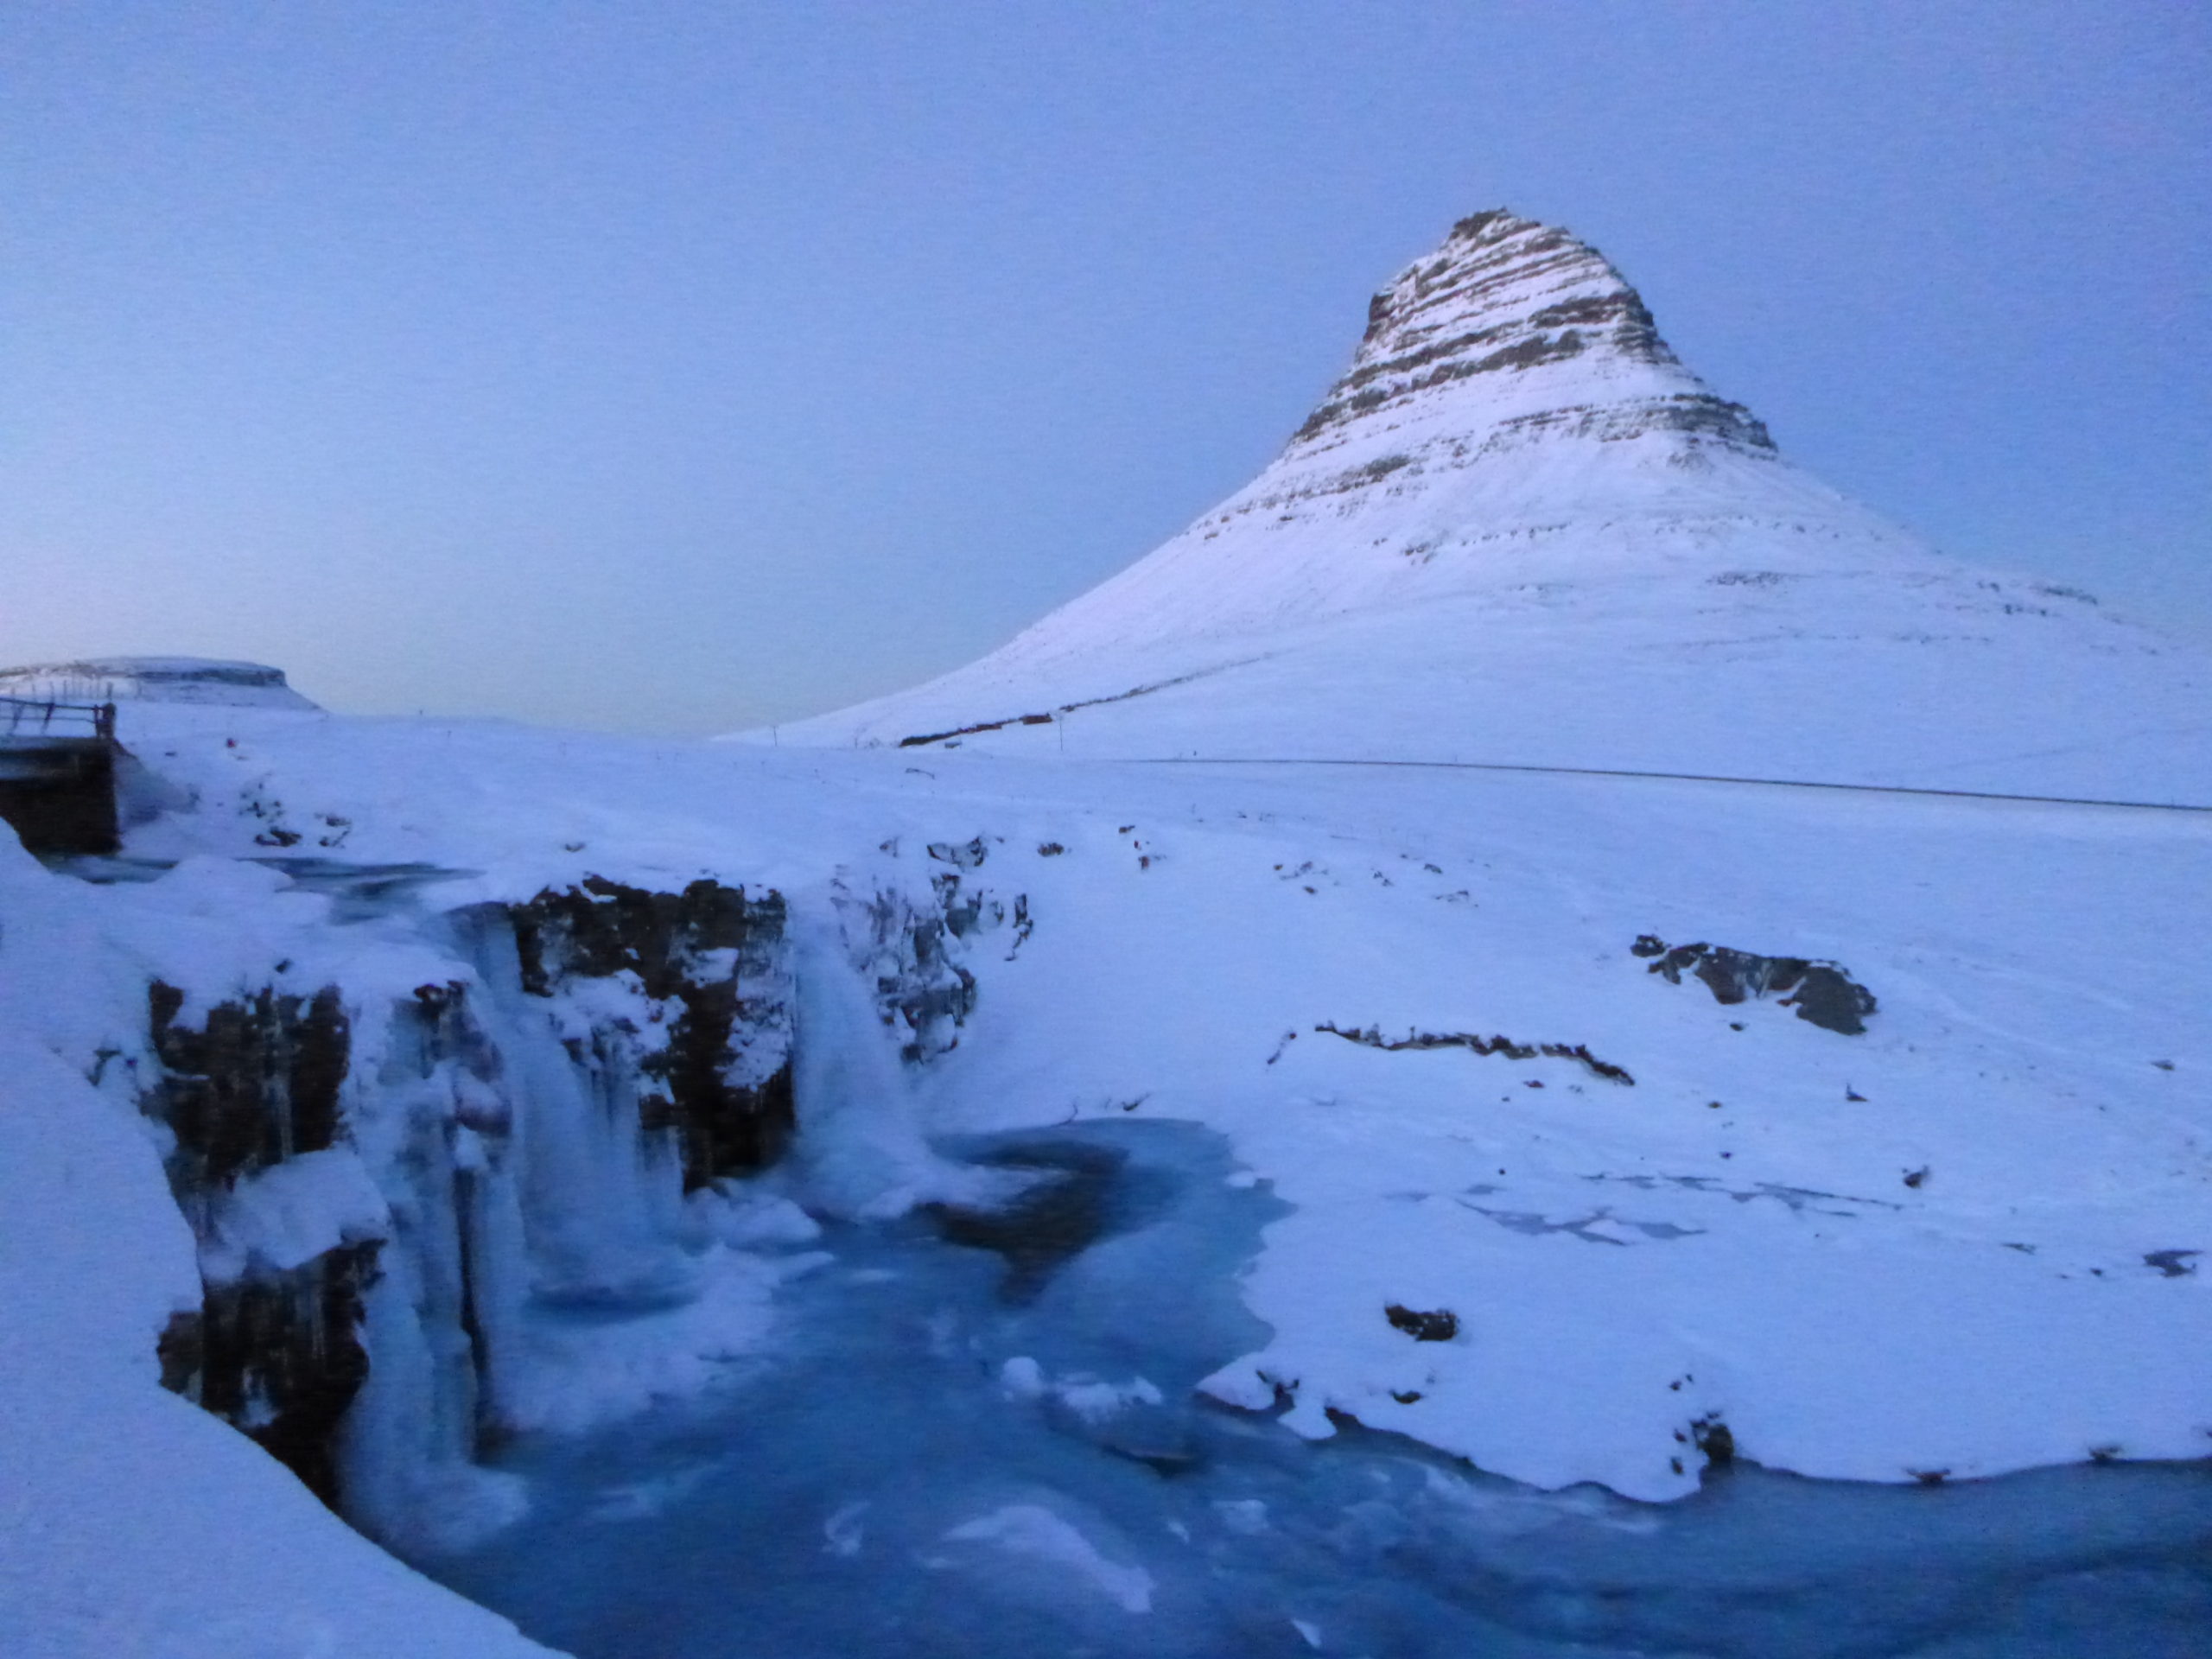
(976, 1436)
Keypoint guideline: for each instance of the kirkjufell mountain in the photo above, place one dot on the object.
(1519, 529)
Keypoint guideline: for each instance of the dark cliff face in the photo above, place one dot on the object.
(60, 795)
(279, 1356)
(276, 1352)
(699, 1039)
(711, 950)
(257, 1083)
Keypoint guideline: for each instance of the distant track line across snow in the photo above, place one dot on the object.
(1678, 777)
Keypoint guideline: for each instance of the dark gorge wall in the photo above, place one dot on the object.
(277, 1349)
(279, 1356)
(256, 1082)
(709, 959)
(382, 1177)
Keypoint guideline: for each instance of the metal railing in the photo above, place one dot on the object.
(27, 717)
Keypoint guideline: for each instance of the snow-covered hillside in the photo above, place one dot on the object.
(1518, 531)
(153, 679)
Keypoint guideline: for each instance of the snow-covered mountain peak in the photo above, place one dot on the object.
(1517, 529)
(1514, 330)
(1511, 386)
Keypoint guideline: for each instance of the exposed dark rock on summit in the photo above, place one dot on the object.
(1484, 304)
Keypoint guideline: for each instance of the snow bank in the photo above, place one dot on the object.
(129, 1520)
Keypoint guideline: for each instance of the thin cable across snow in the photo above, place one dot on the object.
(1670, 777)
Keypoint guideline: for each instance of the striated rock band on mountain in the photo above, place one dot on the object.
(1518, 529)
(1491, 303)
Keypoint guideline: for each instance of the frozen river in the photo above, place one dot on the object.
(976, 1436)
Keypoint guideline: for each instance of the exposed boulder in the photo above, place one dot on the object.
(1822, 992)
(1437, 1324)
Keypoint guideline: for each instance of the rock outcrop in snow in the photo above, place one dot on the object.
(717, 1064)
(290, 1233)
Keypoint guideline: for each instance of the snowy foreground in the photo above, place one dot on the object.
(1959, 1242)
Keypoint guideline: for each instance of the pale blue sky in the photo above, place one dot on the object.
(679, 365)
